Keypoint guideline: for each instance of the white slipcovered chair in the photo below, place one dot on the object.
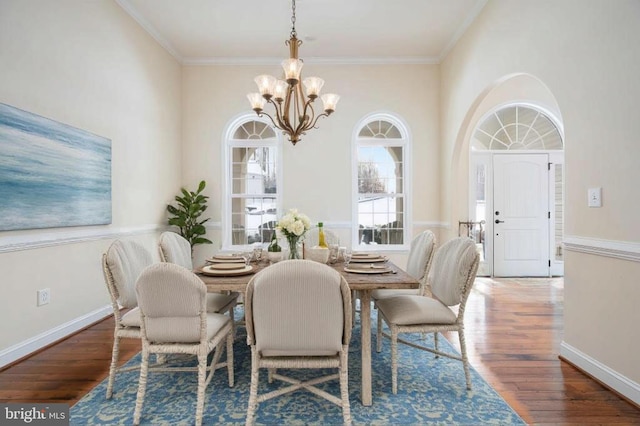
(174, 248)
(122, 263)
(418, 265)
(174, 320)
(451, 278)
(298, 315)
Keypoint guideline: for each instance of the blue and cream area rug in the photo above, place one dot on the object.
(430, 391)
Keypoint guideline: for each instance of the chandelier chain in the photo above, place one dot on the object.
(293, 19)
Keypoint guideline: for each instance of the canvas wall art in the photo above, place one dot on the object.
(51, 174)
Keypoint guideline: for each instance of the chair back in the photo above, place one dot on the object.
(420, 255)
(298, 308)
(172, 304)
(123, 263)
(174, 248)
(454, 268)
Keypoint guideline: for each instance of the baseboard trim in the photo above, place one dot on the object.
(624, 250)
(618, 383)
(27, 347)
(51, 239)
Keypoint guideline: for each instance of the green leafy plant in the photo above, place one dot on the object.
(187, 215)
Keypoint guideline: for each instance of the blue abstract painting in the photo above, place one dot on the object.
(51, 174)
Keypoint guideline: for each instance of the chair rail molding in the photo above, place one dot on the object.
(607, 376)
(58, 237)
(27, 347)
(625, 250)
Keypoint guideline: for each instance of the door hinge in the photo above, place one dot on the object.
(548, 215)
(548, 166)
(549, 263)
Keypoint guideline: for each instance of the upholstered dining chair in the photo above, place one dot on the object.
(174, 320)
(174, 248)
(418, 263)
(122, 263)
(298, 315)
(451, 278)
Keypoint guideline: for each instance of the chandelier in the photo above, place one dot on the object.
(294, 113)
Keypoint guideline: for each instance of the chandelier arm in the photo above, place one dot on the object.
(324, 114)
(261, 113)
(311, 116)
(277, 106)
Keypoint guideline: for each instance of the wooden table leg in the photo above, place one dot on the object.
(365, 329)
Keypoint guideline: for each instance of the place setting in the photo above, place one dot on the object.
(367, 263)
(368, 258)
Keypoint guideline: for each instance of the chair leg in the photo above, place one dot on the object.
(202, 376)
(379, 333)
(354, 296)
(253, 389)
(465, 360)
(344, 388)
(230, 338)
(232, 317)
(142, 386)
(114, 365)
(394, 360)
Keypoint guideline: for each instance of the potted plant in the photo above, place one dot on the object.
(186, 215)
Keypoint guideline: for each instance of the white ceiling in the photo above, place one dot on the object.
(347, 31)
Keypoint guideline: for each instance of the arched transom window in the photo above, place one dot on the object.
(517, 127)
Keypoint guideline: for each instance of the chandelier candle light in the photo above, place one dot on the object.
(294, 114)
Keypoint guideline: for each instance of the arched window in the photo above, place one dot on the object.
(380, 173)
(253, 178)
(517, 127)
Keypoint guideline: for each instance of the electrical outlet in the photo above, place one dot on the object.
(44, 296)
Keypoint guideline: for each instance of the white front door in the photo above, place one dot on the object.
(520, 215)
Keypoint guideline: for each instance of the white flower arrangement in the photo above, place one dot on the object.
(293, 225)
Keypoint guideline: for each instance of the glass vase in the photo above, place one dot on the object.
(294, 246)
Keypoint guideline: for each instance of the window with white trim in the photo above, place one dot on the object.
(380, 173)
(252, 183)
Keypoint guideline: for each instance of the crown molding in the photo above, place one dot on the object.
(146, 25)
(398, 60)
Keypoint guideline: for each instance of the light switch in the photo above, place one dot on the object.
(595, 197)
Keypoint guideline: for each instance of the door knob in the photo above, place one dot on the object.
(499, 221)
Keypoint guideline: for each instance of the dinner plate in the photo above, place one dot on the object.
(368, 259)
(227, 266)
(374, 270)
(221, 258)
(365, 255)
(209, 270)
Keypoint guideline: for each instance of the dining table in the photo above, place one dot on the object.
(363, 283)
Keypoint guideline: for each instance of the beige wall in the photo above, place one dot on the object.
(89, 65)
(586, 53)
(317, 171)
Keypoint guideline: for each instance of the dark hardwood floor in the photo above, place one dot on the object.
(514, 331)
